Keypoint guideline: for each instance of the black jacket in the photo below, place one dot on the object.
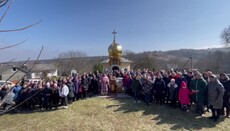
(226, 85)
(159, 87)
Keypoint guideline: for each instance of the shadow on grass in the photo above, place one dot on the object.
(13, 112)
(163, 114)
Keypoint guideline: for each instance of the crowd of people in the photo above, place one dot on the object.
(177, 89)
(182, 89)
(51, 94)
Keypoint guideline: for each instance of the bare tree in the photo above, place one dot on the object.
(70, 60)
(3, 3)
(225, 36)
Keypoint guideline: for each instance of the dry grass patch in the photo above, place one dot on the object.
(102, 114)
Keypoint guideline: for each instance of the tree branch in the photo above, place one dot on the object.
(19, 29)
(3, 48)
(8, 8)
(3, 2)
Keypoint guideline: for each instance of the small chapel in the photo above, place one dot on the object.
(115, 60)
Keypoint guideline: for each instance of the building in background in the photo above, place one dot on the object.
(115, 60)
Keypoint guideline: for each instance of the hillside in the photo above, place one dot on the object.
(216, 59)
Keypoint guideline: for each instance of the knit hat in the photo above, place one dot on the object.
(183, 84)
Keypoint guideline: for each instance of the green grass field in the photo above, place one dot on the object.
(107, 114)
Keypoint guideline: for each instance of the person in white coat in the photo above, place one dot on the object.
(63, 93)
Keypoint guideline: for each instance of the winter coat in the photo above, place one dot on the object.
(85, 84)
(201, 86)
(179, 81)
(215, 94)
(47, 94)
(16, 91)
(136, 86)
(71, 89)
(76, 83)
(172, 91)
(22, 95)
(126, 82)
(166, 80)
(159, 87)
(63, 91)
(146, 86)
(9, 99)
(184, 96)
(94, 83)
(226, 85)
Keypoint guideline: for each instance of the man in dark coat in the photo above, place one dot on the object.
(22, 96)
(47, 95)
(226, 100)
(136, 87)
(159, 89)
(71, 90)
(76, 83)
(94, 84)
(39, 97)
(85, 86)
(167, 81)
(55, 96)
(31, 98)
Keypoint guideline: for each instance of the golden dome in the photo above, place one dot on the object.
(115, 50)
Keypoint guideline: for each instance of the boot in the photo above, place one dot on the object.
(213, 115)
(227, 113)
(217, 115)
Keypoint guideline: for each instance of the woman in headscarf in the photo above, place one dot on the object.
(215, 97)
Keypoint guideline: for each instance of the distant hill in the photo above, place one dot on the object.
(214, 58)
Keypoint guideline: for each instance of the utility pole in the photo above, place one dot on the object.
(191, 63)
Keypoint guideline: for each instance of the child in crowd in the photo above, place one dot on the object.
(172, 95)
(184, 99)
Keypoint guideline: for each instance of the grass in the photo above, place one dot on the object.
(103, 114)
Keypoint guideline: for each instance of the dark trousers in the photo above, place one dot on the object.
(40, 102)
(159, 98)
(70, 100)
(136, 96)
(47, 103)
(64, 101)
(76, 97)
(226, 104)
(84, 94)
(200, 107)
(148, 98)
(215, 113)
(173, 102)
(56, 100)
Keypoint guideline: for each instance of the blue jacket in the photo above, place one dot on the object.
(16, 91)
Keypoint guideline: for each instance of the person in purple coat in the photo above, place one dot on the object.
(76, 83)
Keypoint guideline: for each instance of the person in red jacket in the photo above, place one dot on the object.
(184, 99)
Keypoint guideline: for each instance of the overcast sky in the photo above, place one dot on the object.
(87, 25)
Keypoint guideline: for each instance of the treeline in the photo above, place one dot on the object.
(216, 60)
